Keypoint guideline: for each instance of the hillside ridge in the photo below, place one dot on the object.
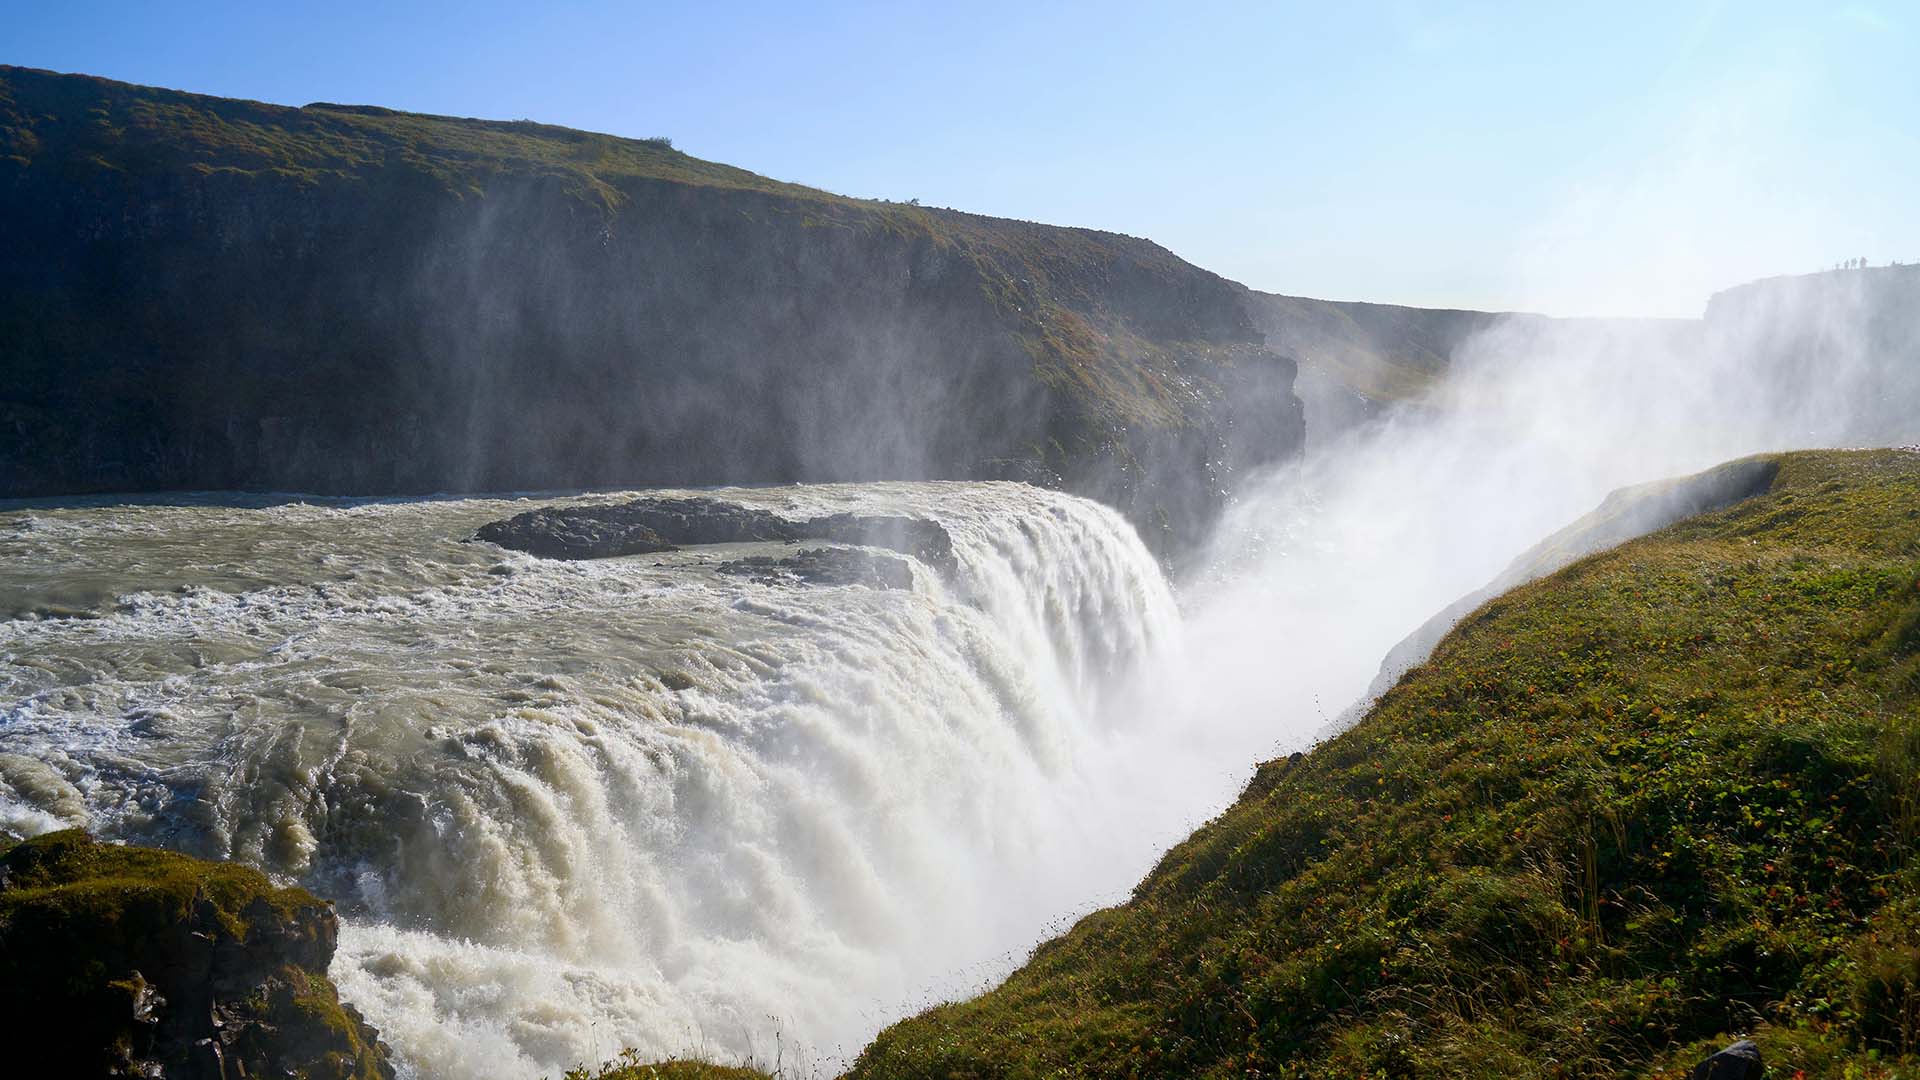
(513, 305)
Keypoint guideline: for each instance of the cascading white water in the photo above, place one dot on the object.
(572, 807)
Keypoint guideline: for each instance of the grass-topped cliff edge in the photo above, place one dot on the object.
(1664, 797)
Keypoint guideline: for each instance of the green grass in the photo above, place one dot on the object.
(133, 128)
(1665, 797)
(628, 1066)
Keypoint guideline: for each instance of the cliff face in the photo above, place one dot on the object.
(207, 293)
(1817, 339)
(1357, 359)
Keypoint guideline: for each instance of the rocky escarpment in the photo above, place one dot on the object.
(1817, 339)
(1358, 360)
(208, 293)
(133, 962)
(650, 525)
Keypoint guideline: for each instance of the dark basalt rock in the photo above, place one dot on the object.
(649, 525)
(640, 527)
(585, 532)
(134, 962)
(925, 540)
(826, 566)
(1740, 1061)
(705, 521)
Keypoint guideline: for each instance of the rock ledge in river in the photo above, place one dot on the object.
(649, 525)
(585, 532)
(826, 566)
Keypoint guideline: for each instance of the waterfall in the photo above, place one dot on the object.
(567, 808)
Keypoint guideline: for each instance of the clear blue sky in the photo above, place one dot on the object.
(1628, 159)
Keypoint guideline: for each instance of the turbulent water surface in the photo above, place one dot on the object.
(570, 807)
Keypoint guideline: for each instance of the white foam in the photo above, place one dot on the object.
(544, 854)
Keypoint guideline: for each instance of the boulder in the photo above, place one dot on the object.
(640, 527)
(1740, 1061)
(649, 525)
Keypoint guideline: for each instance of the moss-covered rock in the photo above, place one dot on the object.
(127, 961)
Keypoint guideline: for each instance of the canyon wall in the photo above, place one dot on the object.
(208, 293)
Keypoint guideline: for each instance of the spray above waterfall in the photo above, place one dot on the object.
(1331, 559)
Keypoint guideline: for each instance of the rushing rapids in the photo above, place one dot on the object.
(567, 807)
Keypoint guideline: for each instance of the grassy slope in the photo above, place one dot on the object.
(1667, 795)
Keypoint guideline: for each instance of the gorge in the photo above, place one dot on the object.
(662, 607)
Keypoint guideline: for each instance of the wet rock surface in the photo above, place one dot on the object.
(588, 532)
(1740, 1061)
(924, 540)
(826, 566)
(125, 961)
(651, 525)
(698, 520)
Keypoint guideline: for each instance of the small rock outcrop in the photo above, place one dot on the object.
(586, 532)
(826, 566)
(135, 962)
(925, 540)
(1740, 1061)
(701, 520)
(649, 525)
